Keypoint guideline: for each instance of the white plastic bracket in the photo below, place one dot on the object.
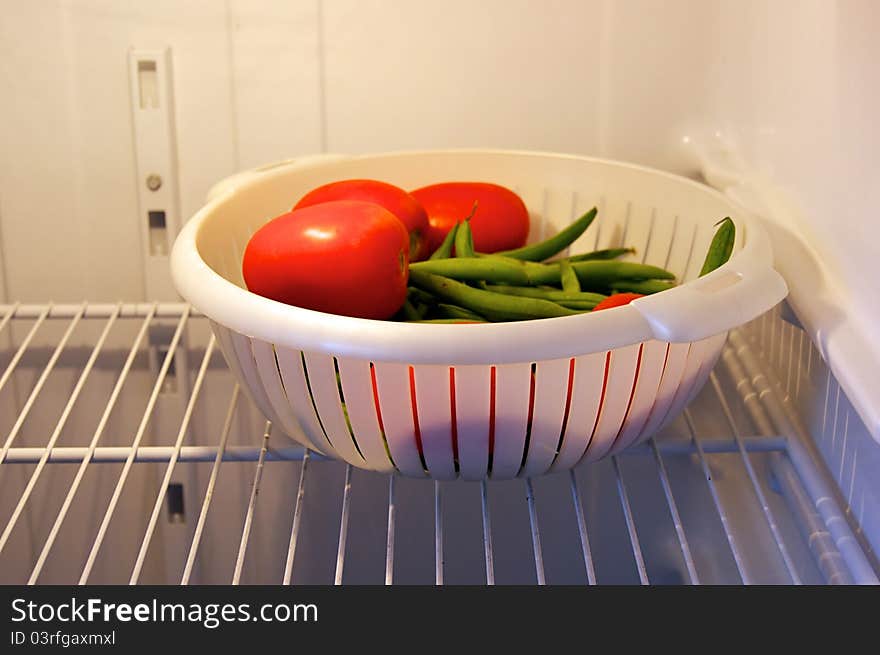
(155, 145)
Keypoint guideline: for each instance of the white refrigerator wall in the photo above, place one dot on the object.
(260, 81)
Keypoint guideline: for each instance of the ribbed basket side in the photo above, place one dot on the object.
(547, 411)
(356, 380)
(473, 388)
(394, 400)
(649, 372)
(588, 385)
(471, 422)
(513, 389)
(701, 358)
(670, 378)
(432, 397)
(237, 352)
(621, 376)
(659, 237)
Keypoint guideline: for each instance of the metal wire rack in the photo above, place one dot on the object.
(733, 492)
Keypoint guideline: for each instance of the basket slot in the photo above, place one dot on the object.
(243, 356)
(651, 365)
(293, 377)
(533, 197)
(681, 250)
(224, 340)
(714, 345)
(619, 389)
(586, 395)
(659, 251)
(357, 390)
(434, 403)
(699, 354)
(321, 382)
(548, 415)
(702, 237)
(612, 223)
(472, 402)
(512, 385)
(673, 370)
(638, 230)
(557, 209)
(581, 203)
(270, 376)
(393, 392)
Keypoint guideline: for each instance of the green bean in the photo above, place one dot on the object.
(464, 240)
(721, 246)
(494, 306)
(449, 320)
(417, 295)
(444, 250)
(412, 311)
(593, 275)
(454, 311)
(568, 277)
(475, 269)
(608, 253)
(597, 275)
(577, 304)
(540, 251)
(556, 295)
(645, 287)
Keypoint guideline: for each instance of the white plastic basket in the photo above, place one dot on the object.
(496, 400)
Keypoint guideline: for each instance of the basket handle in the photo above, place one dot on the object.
(737, 292)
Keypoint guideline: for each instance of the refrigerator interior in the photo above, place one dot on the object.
(768, 477)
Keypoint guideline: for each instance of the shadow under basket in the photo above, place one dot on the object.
(484, 400)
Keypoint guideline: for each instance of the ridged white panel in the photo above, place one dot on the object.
(664, 235)
(701, 358)
(682, 253)
(713, 350)
(264, 355)
(676, 359)
(294, 379)
(557, 209)
(586, 394)
(240, 347)
(472, 401)
(435, 419)
(392, 387)
(618, 390)
(638, 230)
(534, 198)
(321, 376)
(224, 340)
(650, 372)
(610, 224)
(512, 384)
(551, 390)
(357, 387)
(582, 202)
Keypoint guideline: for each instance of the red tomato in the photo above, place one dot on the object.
(617, 300)
(392, 198)
(501, 221)
(343, 257)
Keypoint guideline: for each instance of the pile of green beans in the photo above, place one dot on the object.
(458, 285)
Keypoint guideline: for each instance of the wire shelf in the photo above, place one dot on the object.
(105, 407)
